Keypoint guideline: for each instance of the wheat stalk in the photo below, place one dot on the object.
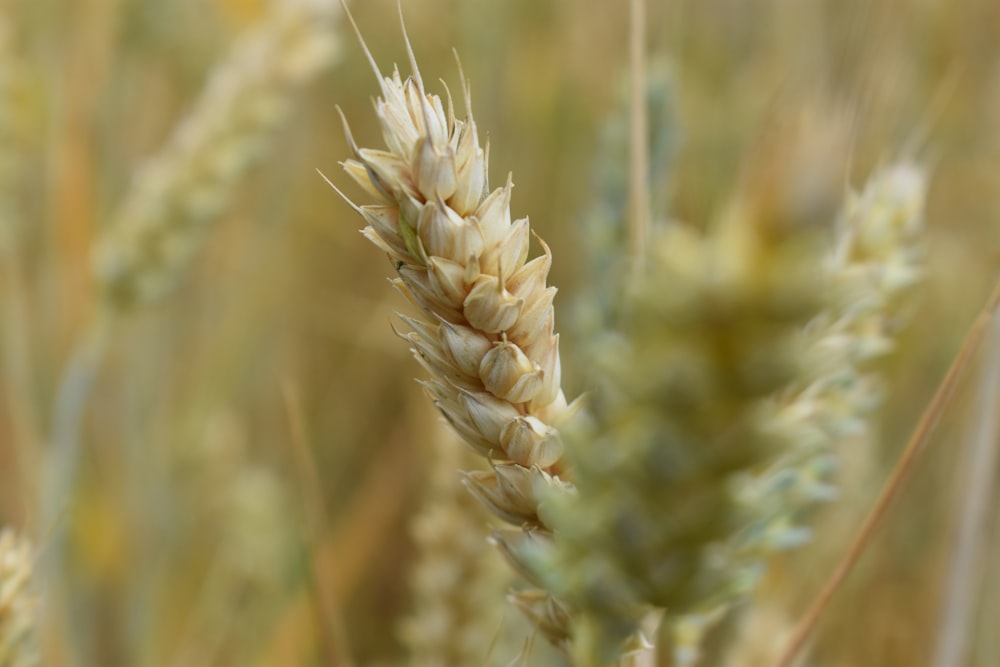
(487, 336)
(17, 344)
(972, 513)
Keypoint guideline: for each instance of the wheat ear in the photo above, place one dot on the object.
(18, 638)
(162, 221)
(176, 194)
(875, 260)
(486, 338)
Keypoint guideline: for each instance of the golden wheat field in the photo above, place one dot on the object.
(771, 225)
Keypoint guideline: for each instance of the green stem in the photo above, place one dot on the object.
(62, 464)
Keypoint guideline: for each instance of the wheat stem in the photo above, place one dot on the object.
(900, 474)
(71, 400)
(334, 639)
(17, 354)
(639, 146)
(972, 513)
(20, 375)
(62, 460)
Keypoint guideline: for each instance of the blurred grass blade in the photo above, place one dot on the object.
(977, 486)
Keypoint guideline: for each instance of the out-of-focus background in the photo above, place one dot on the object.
(188, 538)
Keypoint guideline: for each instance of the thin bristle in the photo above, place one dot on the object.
(361, 41)
(346, 199)
(409, 49)
(466, 84)
(451, 103)
(347, 132)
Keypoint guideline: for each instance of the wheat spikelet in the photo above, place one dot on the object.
(487, 337)
(176, 194)
(875, 259)
(18, 646)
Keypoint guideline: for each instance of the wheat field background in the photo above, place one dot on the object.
(194, 534)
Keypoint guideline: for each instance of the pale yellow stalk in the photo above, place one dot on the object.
(876, 258)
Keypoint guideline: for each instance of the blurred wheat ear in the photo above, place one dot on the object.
(179, 192)
(875, 261)
(620, 533)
